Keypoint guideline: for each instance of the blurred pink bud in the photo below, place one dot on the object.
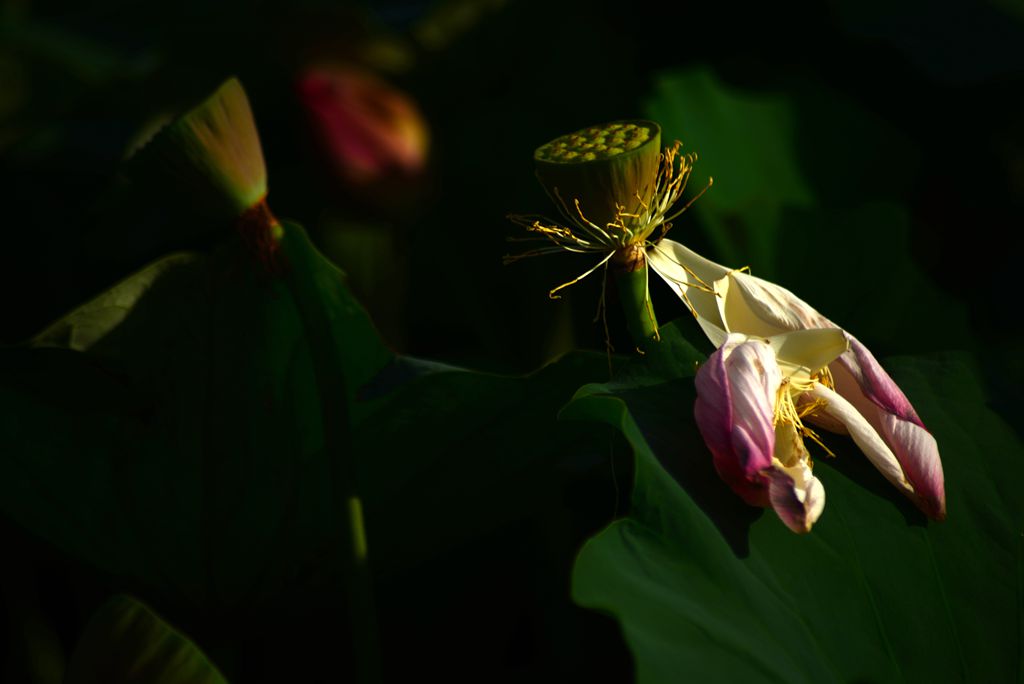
(368, 129)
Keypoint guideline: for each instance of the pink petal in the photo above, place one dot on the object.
(918, 453)
(799, 508)
(862, 381)
(874, 393)
(864, 434)
(875, 383)
(735, 399)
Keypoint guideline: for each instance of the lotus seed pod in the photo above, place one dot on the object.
(604, 167)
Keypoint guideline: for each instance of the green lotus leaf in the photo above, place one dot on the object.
(709, 589)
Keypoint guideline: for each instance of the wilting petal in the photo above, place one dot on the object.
(713, 413)
(739, 302)
(736, 390)
(875, 383)
(692, 278)
(886, 408)
(864, 435)
(754, 302)
(797, 497)
(767, 465)
(867, 386)
(918, 453)
(802, 353)
(797, 503)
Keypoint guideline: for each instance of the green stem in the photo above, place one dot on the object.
(632, 279)
(333, 390)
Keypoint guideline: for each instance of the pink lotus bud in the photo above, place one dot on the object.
(368, 129)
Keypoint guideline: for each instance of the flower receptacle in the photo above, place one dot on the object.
(609, 169)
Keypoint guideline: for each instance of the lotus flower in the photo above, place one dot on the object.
(860, 400)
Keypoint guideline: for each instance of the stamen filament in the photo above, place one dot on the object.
(787, 412)
(711, 181)
(601, 263)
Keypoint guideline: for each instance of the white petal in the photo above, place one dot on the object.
(863, 434)
(680, 256)
(802, 353)
(690, 276)
(739, 302)
(760, 307)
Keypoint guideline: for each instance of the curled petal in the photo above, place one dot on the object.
(729, 300)
(797, 497)
(872, 391)
(918, 453)
(682, 268)
(736, 391)
(765, 464)
(864, 435)
(797, 503)
(755, 302)
(864, 383)
(875, 383)
(692, 278)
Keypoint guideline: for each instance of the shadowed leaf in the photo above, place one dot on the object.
(745, 142)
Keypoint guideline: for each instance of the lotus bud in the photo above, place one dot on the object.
(368, 129)
(211, 155)
(211, 159)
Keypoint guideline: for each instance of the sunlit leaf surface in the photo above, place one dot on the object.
(709, 589)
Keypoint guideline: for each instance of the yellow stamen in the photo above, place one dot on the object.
(824, 376)
(807, 432)
(787, 412)
(785, 409)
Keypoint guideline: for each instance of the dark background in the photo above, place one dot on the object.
(917, 110)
